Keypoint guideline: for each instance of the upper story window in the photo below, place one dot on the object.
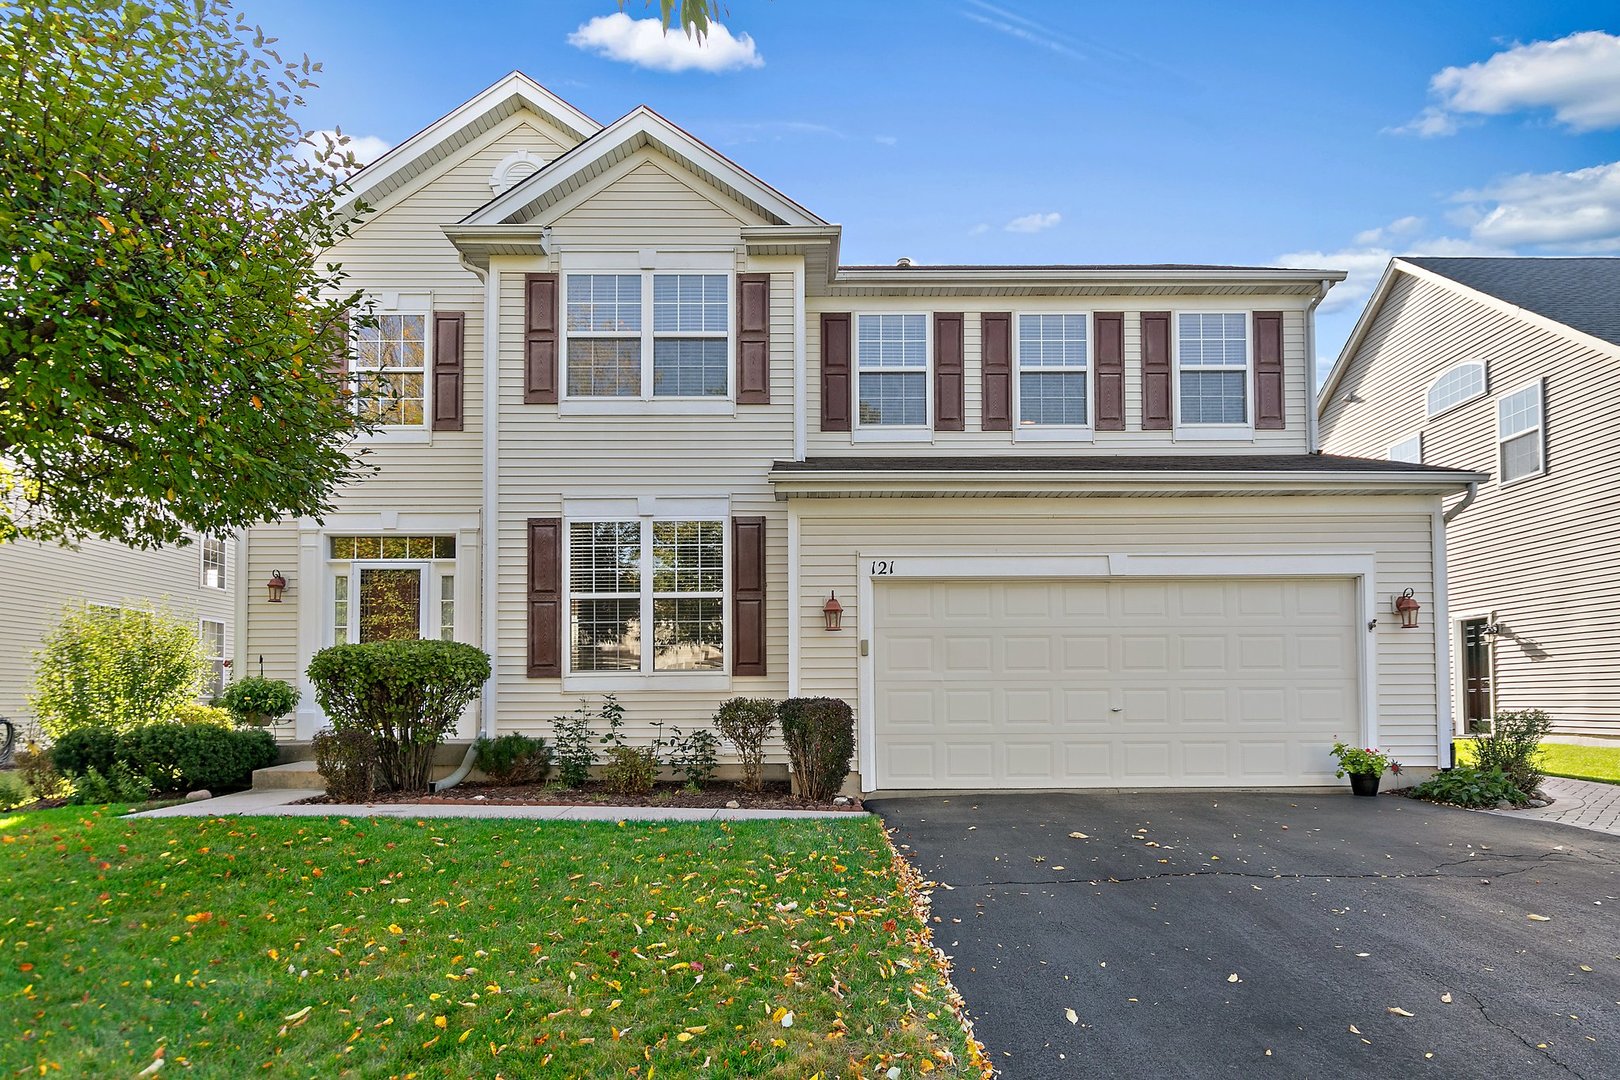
(648, 335)
(389, 372)
(1052, 371)
(1408, 450)
(1212, 358)
(213, 562)
(1461, 382)
(891, 371)
(1521, 449)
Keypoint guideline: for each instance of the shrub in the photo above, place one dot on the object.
(747, 723)
(115, 668)
(14, 791)
(576, 739)
(193, 713)
(1514, 747)
(81, 749)
(630, 770)
(1464, 786)
(693, 756)
(120, 784)
(38, 771)
(514, 759)
(348, 761)
(820, 737)
(185, 756)
(407, 694)
(258, 702)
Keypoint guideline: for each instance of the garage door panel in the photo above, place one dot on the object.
(1144, 652)
(1205, 706)
(1142, 598)
(911, 655)
(968, 655)
(1144, 761)
(1205, 760)
(1084, 599)
(1196, 600)
(1029, 706)
(967, 762)
(1203, 652)
(1262, 705)
(1086, 708)
(1320, 652)
(1028, 653)
(1030, 762)
(1262, 652)
(968, 709)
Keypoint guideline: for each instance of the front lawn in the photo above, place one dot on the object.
(374, 947)
(1600, 763)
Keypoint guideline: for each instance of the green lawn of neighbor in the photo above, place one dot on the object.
(326, 947)
(1600, 763)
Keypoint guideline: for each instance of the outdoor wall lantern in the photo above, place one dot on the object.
(277, 585)
(1407, 608)
(833, 612)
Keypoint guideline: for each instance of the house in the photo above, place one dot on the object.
(646, 429)
(1506, 366)
(195, 582)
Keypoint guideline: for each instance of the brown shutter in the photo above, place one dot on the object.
(753, 339)
(995, 346)
(948, 374)
(449, 342)
(835, 371)
(1268, 371)
(540, 339)
(1110, 365)
(545, 598)
(1156, 371)
(748, 596)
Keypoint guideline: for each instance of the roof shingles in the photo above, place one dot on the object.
(1581, 293)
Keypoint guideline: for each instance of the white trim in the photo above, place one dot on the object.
(203, 540)
(795, 601)
(1186, 432)
(923, 432)
(489, 593)
(1361, 566)
(1053, 432)
(1539, 429)
(1431, 413)
(1457, 682)
(801, 404)
(406, 305)
(223, 657)
(500, 178)
(1445, 720)
(239, 605)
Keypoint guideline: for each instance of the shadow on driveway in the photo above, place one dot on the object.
(1331, 911)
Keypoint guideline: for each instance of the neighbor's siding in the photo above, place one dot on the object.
(1537, 555)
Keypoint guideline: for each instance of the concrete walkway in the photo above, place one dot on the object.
(1581, 803)
(278, 803)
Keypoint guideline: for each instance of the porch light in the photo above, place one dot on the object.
(276, 585)
(1407, 608)
(833, 612)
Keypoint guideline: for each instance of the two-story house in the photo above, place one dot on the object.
(1041, 526)
(1506, 366)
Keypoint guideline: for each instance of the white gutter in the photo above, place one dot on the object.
(1467, 500)
(804, 482)
(980, 275)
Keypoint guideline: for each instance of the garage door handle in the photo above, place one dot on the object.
(1116, 710)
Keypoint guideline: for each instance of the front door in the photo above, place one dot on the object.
(1476, 676)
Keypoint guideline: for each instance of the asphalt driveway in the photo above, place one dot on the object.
(1244, 934)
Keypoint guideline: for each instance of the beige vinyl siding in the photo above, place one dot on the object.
(272, 629)
(1296, 392)
(648, 202)
(1538, 555)
(47, 578)
(1397, 530)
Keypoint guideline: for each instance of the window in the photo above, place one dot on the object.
(392, 588)
(891, 370)
(612, 332)
(212, 634)
(213, 562)
(389, 372)
(447, 608)
(626, 575)
(1052, 370)
(1212, 356)
(1408, 450)
(1457, 384)
(1519, 425)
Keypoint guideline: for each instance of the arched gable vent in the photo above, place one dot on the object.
(513, 168)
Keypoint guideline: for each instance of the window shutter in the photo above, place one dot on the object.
(748, 596)
(540, 339)
(545, 598)
(835, 371)
(753, 339)
(948, 373)
(1110, 364)
(1156, 371)
(449, 342)
(996, 361)
(338, 358)
(1268, 371)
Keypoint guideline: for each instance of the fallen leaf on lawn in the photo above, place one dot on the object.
(1354, 1030)
(1446, 997)
(395, 928)
(1584, 967)
(293, 1018)
(151, 1070)
(683, 1036)
(787, 1019)
(1396, 1011)
(1071, 1016)
(1539, 918)
(1078, 836)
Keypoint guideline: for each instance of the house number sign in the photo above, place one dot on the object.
(882, 567)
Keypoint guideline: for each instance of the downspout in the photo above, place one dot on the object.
(1467, 499)
(1310, 359)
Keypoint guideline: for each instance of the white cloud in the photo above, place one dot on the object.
(645, 43)
(885, 140)
(1365, 261)
(365, 148)
(1405, 226)
(1017, 26)
(1033, 223)
(1577, 77)
(1571, 212)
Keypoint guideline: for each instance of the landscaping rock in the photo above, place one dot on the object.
(199, 795)
(733, 805)
(842, 800)
(1503, 804)
(1536, 804)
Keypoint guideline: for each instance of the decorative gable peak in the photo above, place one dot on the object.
(514, 167)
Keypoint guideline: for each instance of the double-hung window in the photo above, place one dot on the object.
(213, 562)
(1212, 360)
(1052, 362)
(389, 370)
(212, 634)
(648, 335)
(891, 371)
(1521, 449)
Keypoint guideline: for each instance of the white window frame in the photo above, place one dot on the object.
(433, 571)
(923, 432)
(1430, 412)
(202, 562)
(1053, 432)
(1211, 432)
(1417, 438)
(402, 433)
(1539, 428)
(648, 265)
(223, 657)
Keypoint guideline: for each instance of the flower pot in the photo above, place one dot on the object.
(1364, 783)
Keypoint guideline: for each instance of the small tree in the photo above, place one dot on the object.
(116, 668)
(820, 737)
(407, 694)
(747, 723)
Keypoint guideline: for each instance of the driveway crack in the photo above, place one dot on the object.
(1500, 1026)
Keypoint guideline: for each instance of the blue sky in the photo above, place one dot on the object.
(1014, 131)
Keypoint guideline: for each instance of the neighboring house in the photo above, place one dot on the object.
(1509, 367)
(645, 429)
(196, 582)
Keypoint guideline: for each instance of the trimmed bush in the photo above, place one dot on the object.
(630, 770)
(120, 784)
(820, 737)
(747, 723)
(116, 668)
(348, 761)
(1468, 787)
(1514, 747)
(193, 713)
(513, 759)
(187, 756)
(78, 751)
(256, 702)
(407, 694)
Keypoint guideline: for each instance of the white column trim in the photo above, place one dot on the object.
(488, 599)
(309, 592)
(794, 601)
(1445, 720)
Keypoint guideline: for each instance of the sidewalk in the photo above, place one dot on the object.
(1581, 803)
(277, 803)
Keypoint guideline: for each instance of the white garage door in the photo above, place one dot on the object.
(1113, 683)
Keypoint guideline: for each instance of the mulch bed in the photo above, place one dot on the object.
(776, 796)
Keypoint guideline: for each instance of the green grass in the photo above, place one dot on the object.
(374, 947)
(1599, 763)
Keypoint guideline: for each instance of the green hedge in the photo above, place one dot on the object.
(171, 755)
